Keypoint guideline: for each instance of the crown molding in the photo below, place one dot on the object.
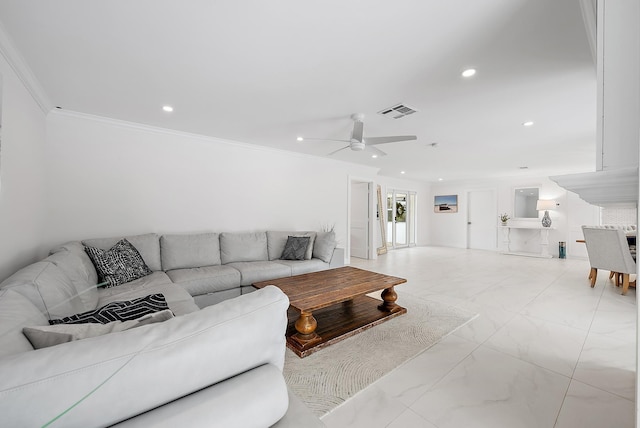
(17, 62)
(200, 137)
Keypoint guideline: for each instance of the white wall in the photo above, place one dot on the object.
(450, 230)
(110, 178)
(22, 175)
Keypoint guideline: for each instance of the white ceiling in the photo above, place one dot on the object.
(265, 72)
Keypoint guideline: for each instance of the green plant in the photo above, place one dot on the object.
(504, 217)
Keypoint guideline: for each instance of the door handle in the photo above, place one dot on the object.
(468, 222)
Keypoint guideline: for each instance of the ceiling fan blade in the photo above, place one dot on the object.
(339, 150)
(372, 141)
(325, 139)
(375, 150)
(356, 134)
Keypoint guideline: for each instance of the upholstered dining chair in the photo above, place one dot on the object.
(608, 249)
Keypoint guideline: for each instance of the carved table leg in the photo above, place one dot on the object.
(306, 328)
(389, 296)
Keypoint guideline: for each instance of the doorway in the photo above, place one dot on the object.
(401, 214)
(360, 242)
(481, 220)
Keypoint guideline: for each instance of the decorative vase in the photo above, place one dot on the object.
(546, 220)
(504, 223)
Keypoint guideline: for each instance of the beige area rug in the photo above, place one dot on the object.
(327, 378)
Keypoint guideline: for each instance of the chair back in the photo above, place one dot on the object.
(608, 249)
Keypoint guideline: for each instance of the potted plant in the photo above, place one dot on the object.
(503, 218)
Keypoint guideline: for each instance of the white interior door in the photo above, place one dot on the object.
(360, 210)
(481, 220)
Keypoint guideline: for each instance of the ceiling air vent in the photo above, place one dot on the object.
(398, 111)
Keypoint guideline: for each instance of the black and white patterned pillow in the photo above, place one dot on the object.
(119, 264)
(295, 248)
(118, 311)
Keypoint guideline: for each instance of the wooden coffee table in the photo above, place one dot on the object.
(331, 305)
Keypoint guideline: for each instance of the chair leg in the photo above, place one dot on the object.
(625, 283)
(593, 274)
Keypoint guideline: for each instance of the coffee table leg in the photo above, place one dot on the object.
(389, 296)
(306, 327)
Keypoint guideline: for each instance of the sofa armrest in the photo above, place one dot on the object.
(121, 375)
(337, 259)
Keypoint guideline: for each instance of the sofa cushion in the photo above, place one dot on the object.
(262, 392)
(260, 271)
(76, 264)
(243, 247)
(51, 335)
(298, 267)
(295, 248)
(207, 279)
(179, 300)
(120, 264)
(324, 245)
(189, 251)
(118, 311)
(16, 312)
(148, 245)
(48, 288)
(277, 240)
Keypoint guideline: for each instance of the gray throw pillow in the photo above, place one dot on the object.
(324, 245)
(119, 264)
(295, 248)
(45, 336)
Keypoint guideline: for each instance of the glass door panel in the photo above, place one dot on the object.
(401, 220)
(390, 220)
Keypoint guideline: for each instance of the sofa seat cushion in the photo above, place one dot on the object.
(190, 251)
(148, 245)
(48, 288)
(260, 271)
(17, 312)
(179, 300)
(298, 267)
(76, 264)
(243, 247)
(207, 279)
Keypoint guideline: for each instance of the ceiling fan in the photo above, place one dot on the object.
(358, 143)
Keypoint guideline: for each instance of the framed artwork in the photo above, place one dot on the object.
(445, 204)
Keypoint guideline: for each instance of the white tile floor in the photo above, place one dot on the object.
(546, 351)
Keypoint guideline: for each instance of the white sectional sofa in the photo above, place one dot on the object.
(218, 362)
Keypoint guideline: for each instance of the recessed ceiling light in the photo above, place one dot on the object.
(469, 72)
(300, 139)
(528, 123)
(401, 172)
(168, 109)
(374, 156)
(440, 179)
